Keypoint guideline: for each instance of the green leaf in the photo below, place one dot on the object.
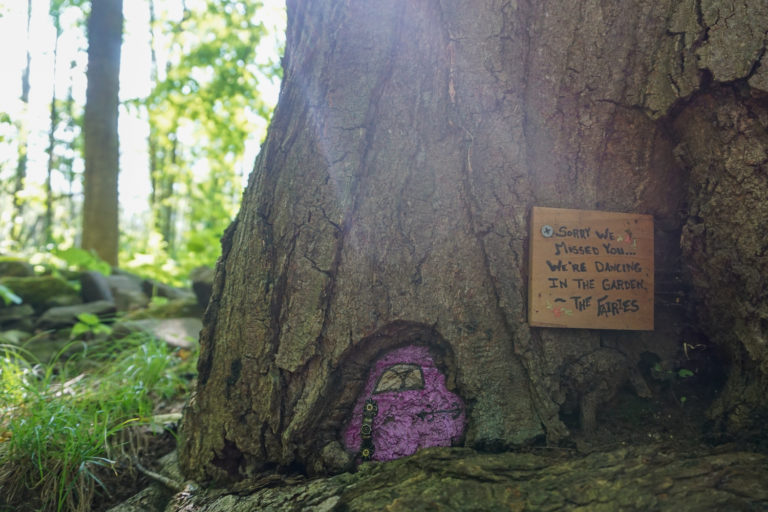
(78, 329)
(102, 329)
(156, 300)
(684, 373)
(8, 296)
(89, 319)
(83, 259)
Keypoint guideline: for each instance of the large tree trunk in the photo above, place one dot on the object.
(390, 202)
(100, 206)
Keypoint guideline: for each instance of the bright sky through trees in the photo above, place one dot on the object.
(134, 83)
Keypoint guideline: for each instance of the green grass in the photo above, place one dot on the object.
(63, 425)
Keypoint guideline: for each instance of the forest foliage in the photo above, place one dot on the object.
(192, 114)
(203, 114)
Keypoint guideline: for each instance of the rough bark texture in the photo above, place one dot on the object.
(105, 36)
(629, 479)
(724, 141)
(389, 206)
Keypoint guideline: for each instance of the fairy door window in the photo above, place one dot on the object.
(405, 406)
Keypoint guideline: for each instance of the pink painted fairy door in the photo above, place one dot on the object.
(408, 407)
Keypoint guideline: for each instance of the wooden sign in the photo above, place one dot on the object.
(590, 269)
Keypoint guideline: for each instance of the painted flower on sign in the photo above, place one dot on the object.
(558, 310)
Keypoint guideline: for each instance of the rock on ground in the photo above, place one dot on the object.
(41, 292)
(177, 332)
(127, 291)
(202, 284)
(12, 267)
(67, 315)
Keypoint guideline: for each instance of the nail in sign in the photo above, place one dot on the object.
(590, 269)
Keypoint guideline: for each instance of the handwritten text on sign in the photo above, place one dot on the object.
(590, 269)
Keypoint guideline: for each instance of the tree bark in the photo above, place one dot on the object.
(100, 203)
(725, 144)
(390, 201)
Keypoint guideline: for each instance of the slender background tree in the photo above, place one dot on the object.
(100, 208)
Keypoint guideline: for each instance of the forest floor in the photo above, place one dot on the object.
(94, 371)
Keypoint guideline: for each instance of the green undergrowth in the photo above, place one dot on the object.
(65, 425)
